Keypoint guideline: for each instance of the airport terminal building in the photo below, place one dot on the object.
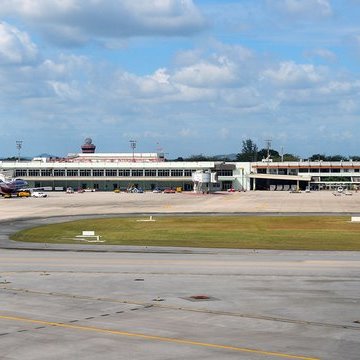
(149, 171)
(111, 171)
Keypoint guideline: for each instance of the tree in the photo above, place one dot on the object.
(323, 157)
(199, 157)
(318, 157)
(337, 158)
(262, 154)
(248, 152)
(290, 157)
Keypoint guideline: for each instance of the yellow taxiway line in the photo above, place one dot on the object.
(157, 338)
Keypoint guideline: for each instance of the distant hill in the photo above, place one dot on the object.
(27, 158)
(45, 155)
(231, 157)
(15, 158)
(202, 157)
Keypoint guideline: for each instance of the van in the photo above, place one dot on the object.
(23, 193)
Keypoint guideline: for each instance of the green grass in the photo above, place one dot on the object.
(237, 232)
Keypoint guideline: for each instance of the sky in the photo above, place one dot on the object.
(183, 77)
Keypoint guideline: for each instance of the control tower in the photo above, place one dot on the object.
(88, 147)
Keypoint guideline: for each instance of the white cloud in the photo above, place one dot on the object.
(303, 9)
(187, 133)
(205, 74)
(321, 53)
(349, 106)
(16, 48)
(144, 87)
(188, 57)
(291, 75)
(236, 52)
(247, 97)
(65, 66)
(66, 91)
(73, 22)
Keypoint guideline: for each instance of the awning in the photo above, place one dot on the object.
(280, 177)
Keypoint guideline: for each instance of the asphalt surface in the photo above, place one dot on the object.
(149, 303)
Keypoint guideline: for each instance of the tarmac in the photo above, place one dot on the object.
(86, 302)
(61, 204)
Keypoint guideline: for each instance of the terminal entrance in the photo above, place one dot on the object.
(226, 185)
(278, 184)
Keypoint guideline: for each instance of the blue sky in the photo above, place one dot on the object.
(186, 76)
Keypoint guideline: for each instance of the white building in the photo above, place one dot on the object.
(110, 171)
(123, 170)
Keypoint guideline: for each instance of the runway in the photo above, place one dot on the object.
(265, 305)
(146, 303)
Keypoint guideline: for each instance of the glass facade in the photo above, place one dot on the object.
(20, 172)
(162, 172)
(85, 172)
(225, 172)
(111, 172)
(59, 172)
(97, 172)
(137, 173)
(123, 172)
(72, 172)
(177, 172)
(150, 173)
(34, 172)
(46, 172)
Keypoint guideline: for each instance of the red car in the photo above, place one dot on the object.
(169, 191)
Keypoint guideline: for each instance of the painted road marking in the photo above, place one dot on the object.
(157, 338)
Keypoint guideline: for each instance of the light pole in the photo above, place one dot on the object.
(133, 147)
(19, 146)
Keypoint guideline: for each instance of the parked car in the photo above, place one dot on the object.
(39, 194)
(135, 190)
(24, 193)
(169, 191)
(157, 190)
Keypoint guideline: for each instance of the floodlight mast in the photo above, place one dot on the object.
(268, 146)
(18, 147)
(133, 147)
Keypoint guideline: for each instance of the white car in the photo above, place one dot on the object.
(38, 194)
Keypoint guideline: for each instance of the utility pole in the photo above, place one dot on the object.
(19, 146)
(268, 146)
(133, 147)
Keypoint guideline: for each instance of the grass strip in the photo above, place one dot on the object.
(237, 232)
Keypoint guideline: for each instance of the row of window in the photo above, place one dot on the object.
(111, 172)
(305, 170)
(327, 170)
